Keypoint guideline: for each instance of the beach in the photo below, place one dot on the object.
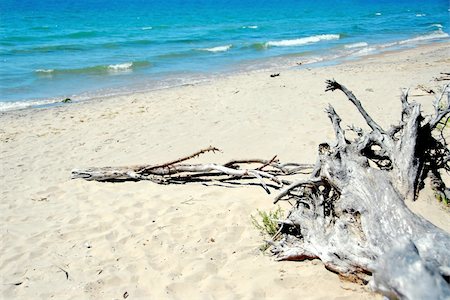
(74, 239)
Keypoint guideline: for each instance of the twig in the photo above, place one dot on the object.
(198, 153)
(332, 85)
(65, 272)
(440, 112)
(268, 163)
(426, 90)
(442, 130)
(294, 185)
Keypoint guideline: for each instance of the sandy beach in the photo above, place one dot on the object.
(73, 239)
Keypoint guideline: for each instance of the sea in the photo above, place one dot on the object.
(51, 50)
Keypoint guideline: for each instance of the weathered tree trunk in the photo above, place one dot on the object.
(351, 212)
(353, 217)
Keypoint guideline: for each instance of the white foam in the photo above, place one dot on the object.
(365, 51)
(44, 70)
(120, 67)
(147, 28)
(324, 58)
(437, 26)
(303, 41)
(314, 59)
(7, 106)
(438, 34)
(420, 15)
(251, 26)
(378, 14)
(218, 48)
(388, 45)
(356, 45)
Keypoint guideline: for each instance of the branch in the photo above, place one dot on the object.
(196, 154)
(336, 120)
(234, 162)
(441, 132)
(359, 131)
(332, 85)
(124, 173)
(440, 112)
(164, 173)
(283, 169)
(300, 183)
(268, 163)
(405, 105)
(394, 130)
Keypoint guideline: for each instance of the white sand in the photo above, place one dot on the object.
(181, 241)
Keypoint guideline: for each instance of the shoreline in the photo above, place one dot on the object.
(183, 241)
(281, 63)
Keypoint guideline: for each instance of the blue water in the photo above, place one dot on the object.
(53, 49)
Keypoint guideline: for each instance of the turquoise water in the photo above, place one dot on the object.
(50, 50)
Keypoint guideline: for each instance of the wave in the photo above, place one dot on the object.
(356, 45)
(138, 42)
(45, 71)
(118, 44)
(435, 35)
(438, 34)
(378, 14)
(362, 49)
(100, 69)
(420, 15)
(182, 40)
(218, 48)
(51, 48)
(303, 41)
(20, 38)
(44, 27)
(250, 27)
(439, 26)
(259, 46)
(178, 55)
(157, 27)
(7, 106)
(81, 34)
(365, 51)
(72, 35)
(119, 67)
(81, 46)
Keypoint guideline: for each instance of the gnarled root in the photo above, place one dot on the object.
(353, 217)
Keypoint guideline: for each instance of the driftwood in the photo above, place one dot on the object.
(445, 76)
(175, 172)
(350, 213)
(353, 217)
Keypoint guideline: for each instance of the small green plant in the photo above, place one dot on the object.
(441, 125)
(442, 198)
(269, 224)
(67, 100)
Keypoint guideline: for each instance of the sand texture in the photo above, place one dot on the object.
(73, 239)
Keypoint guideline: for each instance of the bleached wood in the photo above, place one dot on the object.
(354, 217)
